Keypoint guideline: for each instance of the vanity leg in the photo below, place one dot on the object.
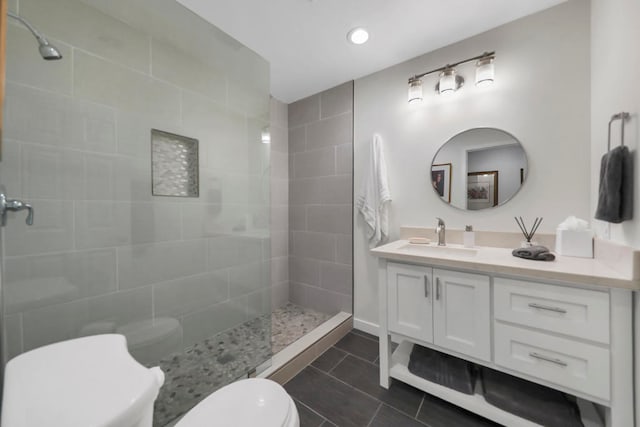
(383, 333)
(621, 412)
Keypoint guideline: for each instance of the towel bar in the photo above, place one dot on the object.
(620, 116)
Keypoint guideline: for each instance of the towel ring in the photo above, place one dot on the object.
(620, 116)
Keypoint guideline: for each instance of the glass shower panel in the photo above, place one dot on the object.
(185, 279)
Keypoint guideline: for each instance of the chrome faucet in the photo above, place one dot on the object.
(440, 229)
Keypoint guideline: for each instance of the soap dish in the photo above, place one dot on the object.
(419, 240)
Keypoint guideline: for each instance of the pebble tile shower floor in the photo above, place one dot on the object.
(210, 364)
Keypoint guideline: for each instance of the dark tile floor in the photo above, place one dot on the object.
(341, 388)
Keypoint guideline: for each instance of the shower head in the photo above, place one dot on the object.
(47, 50)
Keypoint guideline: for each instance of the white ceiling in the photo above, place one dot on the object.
(305, 40)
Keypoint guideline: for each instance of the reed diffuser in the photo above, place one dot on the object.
(528, 234)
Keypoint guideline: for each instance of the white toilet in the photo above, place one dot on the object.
(94, 382)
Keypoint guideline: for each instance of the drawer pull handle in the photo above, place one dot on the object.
(548, 308)
(548, 359)
(437, 288)
(426, 286)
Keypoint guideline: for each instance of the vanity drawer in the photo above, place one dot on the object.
(579, 313)
(562, 361)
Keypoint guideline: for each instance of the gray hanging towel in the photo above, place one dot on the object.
(615, 198)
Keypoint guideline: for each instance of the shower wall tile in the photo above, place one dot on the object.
(344, 249)
(329, 219)
(320, 197)
(202, 220)
(53, 323)
(33, 115)
(36, 281)
(314, 245)
(102, 224)
(247, 96)
(99, 179)
(175, 66)
(24, 63)
(297, 217)
(134, 132)
(344, 159)
(87, 28)
(258, 304)
(279, 165)
(121, 308)
(146, 264)
(305, 270)
(314, 163)
(279, 295)
(279, 139)
(336, 130)
(336, 277)
(214, 319)
(13, 335)
(154, 222)
(51, 173)
(52, 229)
(230, 251)
(105, 82)
(94, 127)
(279, 244)
(297, 139)
(10, 171)
(305, 111)
(190, 294)
(338, 100)
(246, 279)
(279, 270)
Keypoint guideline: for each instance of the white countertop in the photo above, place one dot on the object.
(585, 271)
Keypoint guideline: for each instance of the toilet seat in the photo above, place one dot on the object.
(246, 403)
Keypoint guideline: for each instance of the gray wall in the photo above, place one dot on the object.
(320, 198)
(279, 203)
(548, 114)
(103, 251)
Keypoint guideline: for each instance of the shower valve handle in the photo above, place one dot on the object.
(15, 206)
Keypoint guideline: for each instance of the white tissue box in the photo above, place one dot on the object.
(578, 243)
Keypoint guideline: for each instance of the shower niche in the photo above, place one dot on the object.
(174, 165)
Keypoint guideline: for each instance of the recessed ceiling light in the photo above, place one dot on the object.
(358, 35)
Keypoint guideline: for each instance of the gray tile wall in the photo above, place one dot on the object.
(103, 252)
(320, 200)
(279, 203)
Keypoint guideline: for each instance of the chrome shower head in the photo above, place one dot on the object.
(47, 50)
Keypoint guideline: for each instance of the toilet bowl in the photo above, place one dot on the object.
(94, 381)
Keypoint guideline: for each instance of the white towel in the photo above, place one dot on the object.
(373, 201)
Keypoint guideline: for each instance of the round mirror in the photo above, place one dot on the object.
(479, 168)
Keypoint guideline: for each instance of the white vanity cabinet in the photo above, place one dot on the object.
(571, 337)
(447, 308)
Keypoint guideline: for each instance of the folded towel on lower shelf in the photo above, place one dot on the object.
(536, 253)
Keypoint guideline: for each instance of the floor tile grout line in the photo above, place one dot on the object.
(312, 410)
(339, 362)
(375, 414)
(419, 407)
(355, 355)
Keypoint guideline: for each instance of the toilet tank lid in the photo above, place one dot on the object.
(85, 382)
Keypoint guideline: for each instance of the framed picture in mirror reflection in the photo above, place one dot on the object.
(441, 180)
(482, 190)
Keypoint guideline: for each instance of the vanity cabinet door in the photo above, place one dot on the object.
(409, 303)
(461, 313)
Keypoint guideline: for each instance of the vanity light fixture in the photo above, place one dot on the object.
(415, 90)
(485, 71)
(450, 81)
(358, 35)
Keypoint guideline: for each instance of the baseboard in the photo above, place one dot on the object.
(365, 326)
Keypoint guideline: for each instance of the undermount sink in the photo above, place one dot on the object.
(434, 250)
